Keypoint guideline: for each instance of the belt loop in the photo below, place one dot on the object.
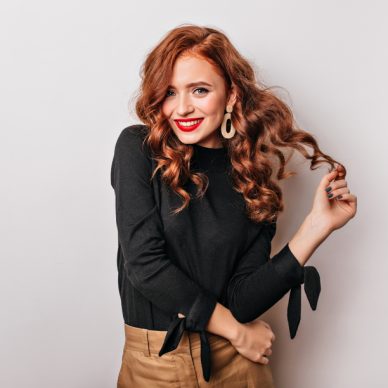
(147, 352)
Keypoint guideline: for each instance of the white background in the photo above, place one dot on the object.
(68, 73)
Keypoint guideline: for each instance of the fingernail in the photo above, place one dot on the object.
(340, 196)
(330, 195)
(328, 188)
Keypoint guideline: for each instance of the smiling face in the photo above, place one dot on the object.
(195, 102)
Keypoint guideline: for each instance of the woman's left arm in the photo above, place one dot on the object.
(259, 281)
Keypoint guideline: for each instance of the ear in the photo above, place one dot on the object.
(232, 96)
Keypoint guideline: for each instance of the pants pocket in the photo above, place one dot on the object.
(139, 370)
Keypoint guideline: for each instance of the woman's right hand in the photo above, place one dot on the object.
(254, 340)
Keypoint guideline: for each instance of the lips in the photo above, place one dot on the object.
(190, 128)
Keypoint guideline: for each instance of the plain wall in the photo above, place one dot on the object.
(68, 72)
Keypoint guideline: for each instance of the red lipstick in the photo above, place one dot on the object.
(190, 128)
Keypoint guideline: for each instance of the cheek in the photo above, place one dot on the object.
(165, 109)
(169, 104)
(211, 106)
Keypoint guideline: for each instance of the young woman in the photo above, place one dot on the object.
(196, 210)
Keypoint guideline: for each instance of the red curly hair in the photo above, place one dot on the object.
(264, 124)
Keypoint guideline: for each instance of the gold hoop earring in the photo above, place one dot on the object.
(232, 130)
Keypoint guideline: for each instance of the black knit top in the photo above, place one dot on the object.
(185, 263)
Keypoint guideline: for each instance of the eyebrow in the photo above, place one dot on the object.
(191, 84)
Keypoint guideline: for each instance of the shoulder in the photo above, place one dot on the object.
(132, 136)
(131, 142)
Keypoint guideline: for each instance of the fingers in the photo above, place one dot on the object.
(339, 193)
(273, 337)
(341, 171)
(268, 351)
(337, 174)
(263, 358)
(325, 181)
(347, 197)
(337, 188)
(338, 184)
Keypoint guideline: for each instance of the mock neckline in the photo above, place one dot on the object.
(210, 159)
(209, 149)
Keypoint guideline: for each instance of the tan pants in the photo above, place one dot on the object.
(181, 368)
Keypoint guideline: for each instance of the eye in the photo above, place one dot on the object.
(201, 89)
(168, 91)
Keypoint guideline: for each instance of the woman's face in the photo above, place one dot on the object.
(196, 92)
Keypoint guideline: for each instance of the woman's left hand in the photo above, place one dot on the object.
(333, 212)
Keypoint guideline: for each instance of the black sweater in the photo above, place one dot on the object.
(209, 252)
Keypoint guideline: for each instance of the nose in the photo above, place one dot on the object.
(184, 106)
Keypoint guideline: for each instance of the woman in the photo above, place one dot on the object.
(196, 210)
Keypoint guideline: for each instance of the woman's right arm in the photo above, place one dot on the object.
(141, 238)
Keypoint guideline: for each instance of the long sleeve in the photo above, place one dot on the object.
(259, 282)
(147, 265)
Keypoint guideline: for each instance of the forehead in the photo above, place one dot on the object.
(188, 69)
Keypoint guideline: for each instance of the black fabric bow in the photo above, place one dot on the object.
(173, 337)
(312, 287)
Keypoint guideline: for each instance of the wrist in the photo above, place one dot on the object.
(223, 323)
(316, 226)
(309, 236)
(235, 331)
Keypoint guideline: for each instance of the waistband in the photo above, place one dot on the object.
(150, 341)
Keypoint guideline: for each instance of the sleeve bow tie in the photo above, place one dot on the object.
(173, 337)
(312, 287)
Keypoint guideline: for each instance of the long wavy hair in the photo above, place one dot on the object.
(264, 123)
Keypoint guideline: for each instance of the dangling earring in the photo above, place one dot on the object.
(232, 130)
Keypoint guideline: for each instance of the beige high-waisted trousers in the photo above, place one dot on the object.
(181, 368)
